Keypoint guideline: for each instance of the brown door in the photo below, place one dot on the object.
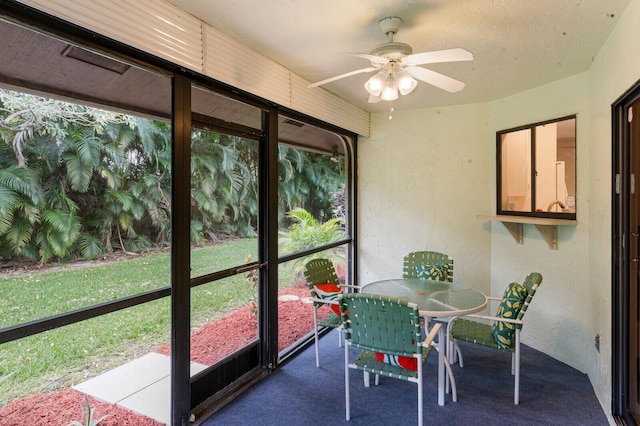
(633, 115)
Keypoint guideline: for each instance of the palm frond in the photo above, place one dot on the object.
(90, 246)
(78, 172)
(8, 202)
(22, 180)
(19, 235)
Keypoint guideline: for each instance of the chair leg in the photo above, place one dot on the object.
(367, 379)
(448, 359)
(419, 392)
(441, 364)
(346, 383)
(315, 331)
(516, 392)
(458, 352)
(340, 336)
(453, 351)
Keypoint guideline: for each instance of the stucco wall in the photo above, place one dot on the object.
(443, 175)
(559, 326)
(423, 176)
(442, 164)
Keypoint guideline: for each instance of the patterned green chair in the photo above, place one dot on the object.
(325, 288)
(388, 332)
(428, 265)
(502, 331)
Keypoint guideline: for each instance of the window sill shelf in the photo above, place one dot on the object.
(547, 227)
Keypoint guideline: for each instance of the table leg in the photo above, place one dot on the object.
(441, 355)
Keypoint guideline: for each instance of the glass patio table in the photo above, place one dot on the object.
(434, 299)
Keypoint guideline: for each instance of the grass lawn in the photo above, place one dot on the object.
(71, 354)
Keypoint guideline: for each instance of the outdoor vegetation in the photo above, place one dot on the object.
(77, 181)
(83, 183)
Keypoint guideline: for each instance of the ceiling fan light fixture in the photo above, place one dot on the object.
(406, 83)
(389, 90)
(398, 69)
(375, 84)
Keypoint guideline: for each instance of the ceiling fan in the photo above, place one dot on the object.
(398, 68)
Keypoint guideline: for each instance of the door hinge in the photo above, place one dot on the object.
(618, 183)
(630, 114)
(632, 183)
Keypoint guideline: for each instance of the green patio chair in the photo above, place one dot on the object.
(501, 331)
(325, 288)
(428, 265)
(388, 332)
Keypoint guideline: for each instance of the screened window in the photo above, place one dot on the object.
(85, 212)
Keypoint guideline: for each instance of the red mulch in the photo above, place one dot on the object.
(63, 407)
(208, 345)
(222, 337)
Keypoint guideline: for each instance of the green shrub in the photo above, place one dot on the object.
(307, 232)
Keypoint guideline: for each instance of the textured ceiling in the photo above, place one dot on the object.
(517, 44)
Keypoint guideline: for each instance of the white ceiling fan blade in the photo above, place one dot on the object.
(338, 77)
(449, 84)
(447, 55)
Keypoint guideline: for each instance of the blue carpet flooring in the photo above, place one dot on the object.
(551, 393)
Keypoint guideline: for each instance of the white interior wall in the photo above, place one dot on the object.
(516, 170)
(423, 177)
(559, 324)
(442, 174)
(546, 157)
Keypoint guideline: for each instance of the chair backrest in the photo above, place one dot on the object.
(381, 324)
(531, 283)
(423, 258)
(320, 271)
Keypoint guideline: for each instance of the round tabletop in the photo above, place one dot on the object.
(434, 298)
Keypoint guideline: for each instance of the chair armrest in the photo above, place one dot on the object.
(492, 318)
(432, 335)
(350, 286)
(490, 305)
(327, 301)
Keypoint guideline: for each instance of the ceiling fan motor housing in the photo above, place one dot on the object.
(392, 50)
